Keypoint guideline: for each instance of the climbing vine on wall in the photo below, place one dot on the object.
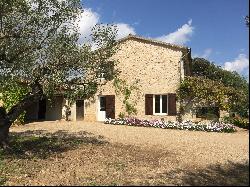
(122, 87)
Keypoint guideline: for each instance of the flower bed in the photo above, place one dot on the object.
(185, 125)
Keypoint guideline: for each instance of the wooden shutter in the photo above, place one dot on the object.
(110, 106)
(172, 104)
(149, 104)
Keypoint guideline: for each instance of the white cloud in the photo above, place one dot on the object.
(88, 19)
(181, 36)
(124, 30)
(240, 64)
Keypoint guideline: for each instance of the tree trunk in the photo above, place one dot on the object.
(4, 129)
(7, 119)
(4, 136)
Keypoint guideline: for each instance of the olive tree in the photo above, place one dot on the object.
(40, 49)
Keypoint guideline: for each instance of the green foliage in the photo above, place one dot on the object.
(204, 92)
(11, 94)
(121, 87)
(121, 115)
(203, 68)
(213, 86)
(237, 121)
(40, 42)
(130, 108)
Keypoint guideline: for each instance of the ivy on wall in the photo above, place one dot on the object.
(122, 87)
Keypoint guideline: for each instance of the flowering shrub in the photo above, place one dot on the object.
(185, 125)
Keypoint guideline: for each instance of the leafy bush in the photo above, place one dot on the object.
(238, 92)
(237, 121)
(10, 95)
(186, 125)
(121, 115)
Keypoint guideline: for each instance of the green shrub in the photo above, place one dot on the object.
(11, 95)
(121, 115)
(237, 121)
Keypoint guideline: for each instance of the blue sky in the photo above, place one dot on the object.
(213, 29)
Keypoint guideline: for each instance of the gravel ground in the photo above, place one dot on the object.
(139, 155)
(190, 146)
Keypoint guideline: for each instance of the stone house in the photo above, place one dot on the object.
(155, 68)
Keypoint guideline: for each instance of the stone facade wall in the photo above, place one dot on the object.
(157, 69)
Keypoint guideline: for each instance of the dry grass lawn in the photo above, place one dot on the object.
(77, 153)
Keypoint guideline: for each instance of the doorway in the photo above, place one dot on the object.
(42, 109)
(106, 107)
(102, 108)
(79, 109)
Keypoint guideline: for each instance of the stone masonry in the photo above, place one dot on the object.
(156, 67)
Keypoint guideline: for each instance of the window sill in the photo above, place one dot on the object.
(160, 114)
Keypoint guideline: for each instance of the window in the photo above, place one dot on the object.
(102, 103)
(160, 104)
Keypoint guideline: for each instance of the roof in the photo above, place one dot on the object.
(130, 36)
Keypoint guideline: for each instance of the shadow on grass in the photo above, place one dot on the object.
(231, 174)
(41, 144)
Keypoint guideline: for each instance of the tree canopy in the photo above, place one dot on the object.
(204, 68)
(39, 47)
(210, 85)
(39, 42)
